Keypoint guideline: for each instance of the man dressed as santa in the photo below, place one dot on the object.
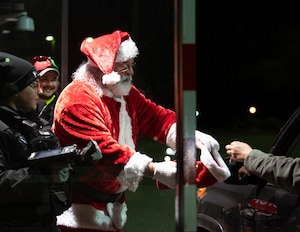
(102, 104)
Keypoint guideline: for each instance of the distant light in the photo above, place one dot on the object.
(167, 158)
(89, 39)
(11, 19)
(49, 38)
(197, 113)
(22, 21)
(252, 109)
(25, 23)
(5, 31)
(170, 151)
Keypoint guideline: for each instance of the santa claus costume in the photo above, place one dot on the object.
(102, 104)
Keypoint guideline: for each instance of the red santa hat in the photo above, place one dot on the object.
(107, 50)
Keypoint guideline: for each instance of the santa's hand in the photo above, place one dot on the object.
(165, 172)
(202, 139)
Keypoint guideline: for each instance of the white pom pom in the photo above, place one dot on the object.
(111, 78)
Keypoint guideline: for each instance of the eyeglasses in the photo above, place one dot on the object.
(124, 68)
(34, 85)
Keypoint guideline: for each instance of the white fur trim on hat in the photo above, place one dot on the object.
(127, 50)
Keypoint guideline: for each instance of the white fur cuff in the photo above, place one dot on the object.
(171, 137)
(133, 171)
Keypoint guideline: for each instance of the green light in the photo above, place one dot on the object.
(49, 38)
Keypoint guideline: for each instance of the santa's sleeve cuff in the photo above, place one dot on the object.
(133, 171)
(215, 164)
(171, 137)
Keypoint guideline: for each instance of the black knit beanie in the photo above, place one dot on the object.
(15, 74)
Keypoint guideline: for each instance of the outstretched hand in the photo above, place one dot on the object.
(238, 150)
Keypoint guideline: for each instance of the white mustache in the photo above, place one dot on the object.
(125, 78)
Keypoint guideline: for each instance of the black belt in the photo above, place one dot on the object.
(96, 195)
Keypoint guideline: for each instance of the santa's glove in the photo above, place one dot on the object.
(60, 172)
(203, 177)
(214, 163)
(207, 140)
(165, 173)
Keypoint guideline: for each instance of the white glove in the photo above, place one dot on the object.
(165, 172)
(207, 140)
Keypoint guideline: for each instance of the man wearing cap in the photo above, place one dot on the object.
(28, 200)
(101, 103)
(49, 85)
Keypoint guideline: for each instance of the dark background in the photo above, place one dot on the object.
(247, 52)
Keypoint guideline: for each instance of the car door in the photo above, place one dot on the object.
(253, 204)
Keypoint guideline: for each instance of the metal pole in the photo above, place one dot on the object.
(64, 44)
(185, 104)
(179, 204)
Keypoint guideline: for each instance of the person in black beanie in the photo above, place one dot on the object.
(30, 196)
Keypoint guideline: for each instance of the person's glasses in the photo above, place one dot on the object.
(34, 85)
(125, 68)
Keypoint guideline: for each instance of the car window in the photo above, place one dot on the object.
(287, 141)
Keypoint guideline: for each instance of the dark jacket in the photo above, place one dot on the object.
(279, 170)
(46, 111)
(28, 196)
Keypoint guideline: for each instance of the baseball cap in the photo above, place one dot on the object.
(44, 64)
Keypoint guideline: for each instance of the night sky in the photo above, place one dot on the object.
(248, 52)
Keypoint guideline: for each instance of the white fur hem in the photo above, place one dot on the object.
(215, 164)
(86, 216)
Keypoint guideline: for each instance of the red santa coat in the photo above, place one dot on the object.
(81, 114)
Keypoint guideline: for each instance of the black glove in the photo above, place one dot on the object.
(60, 172)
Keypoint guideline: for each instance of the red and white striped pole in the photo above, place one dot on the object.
(185, 104)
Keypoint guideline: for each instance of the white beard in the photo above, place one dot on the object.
(122, 88)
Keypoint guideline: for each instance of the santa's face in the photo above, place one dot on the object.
(125, 70)
(122, 88)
